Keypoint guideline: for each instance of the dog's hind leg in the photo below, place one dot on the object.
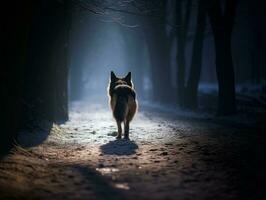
(119, 133)
(126, 134)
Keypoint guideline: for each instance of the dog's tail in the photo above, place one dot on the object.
(121, 107)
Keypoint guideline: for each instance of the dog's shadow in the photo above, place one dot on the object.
(119, 147)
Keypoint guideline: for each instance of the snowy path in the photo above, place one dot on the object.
(167, 157)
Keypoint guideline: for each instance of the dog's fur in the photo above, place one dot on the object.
(123, 103)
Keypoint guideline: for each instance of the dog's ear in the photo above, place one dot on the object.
(128, 77)
(113, 76)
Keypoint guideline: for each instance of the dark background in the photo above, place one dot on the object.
(202, 55)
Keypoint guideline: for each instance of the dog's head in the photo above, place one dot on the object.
(114, 80)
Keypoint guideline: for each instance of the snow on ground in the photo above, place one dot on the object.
(170, 155)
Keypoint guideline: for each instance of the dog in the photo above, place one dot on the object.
(123, 102)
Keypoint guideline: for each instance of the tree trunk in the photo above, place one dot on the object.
(14, 44)
(160, 65)
(46, 72)
(159, 51)
(61, 61)
(196, 60)
(222, 28)
(225, 74)
(182, 30)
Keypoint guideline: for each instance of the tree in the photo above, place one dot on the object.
(222, 25)
(159, 51)
(14, 44)
(196, 59)
(182, 31)
(47, 68)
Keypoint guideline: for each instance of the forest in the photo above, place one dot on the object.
(199, 73)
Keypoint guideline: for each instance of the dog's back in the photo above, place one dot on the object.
(123, 103)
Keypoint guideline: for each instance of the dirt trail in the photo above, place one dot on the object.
(167, 157)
